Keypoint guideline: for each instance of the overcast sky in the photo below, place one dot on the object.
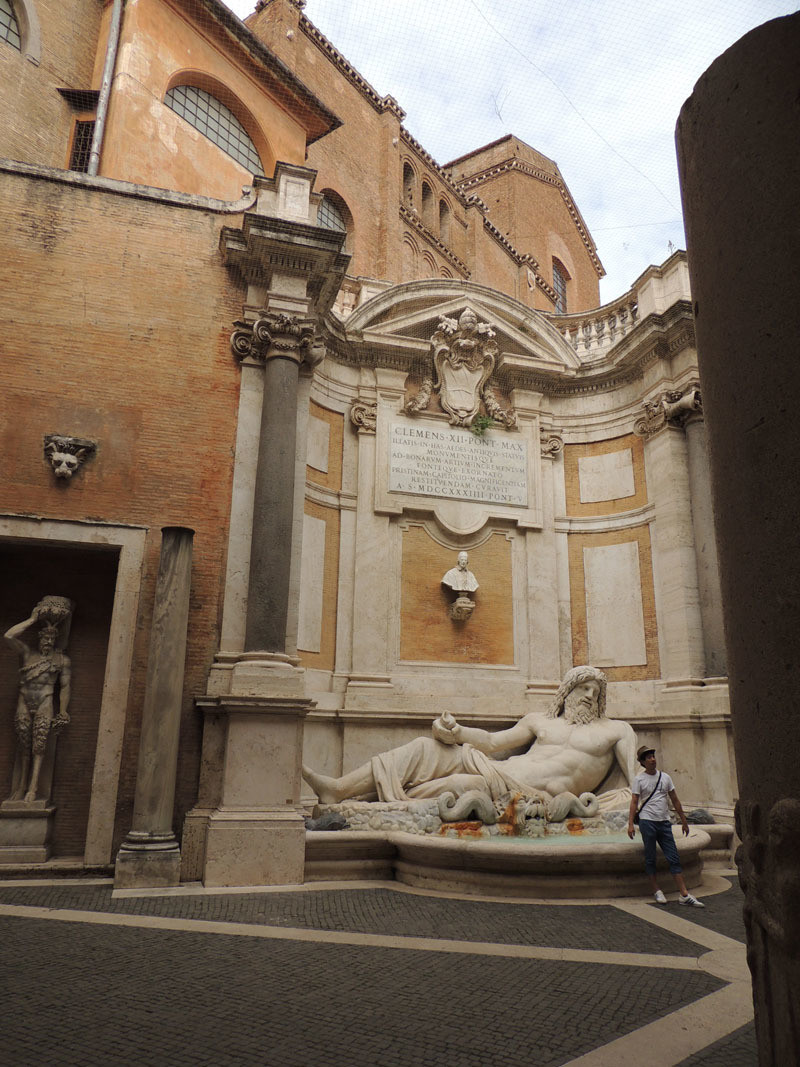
(596, 85)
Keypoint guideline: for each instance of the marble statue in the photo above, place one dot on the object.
(462, 581)
(571, 751)
(42, 669)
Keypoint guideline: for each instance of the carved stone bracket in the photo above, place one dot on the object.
(462, 359)
(672, 408)
(364, 416)
(273, 336)
(551, 443)
(67, 454)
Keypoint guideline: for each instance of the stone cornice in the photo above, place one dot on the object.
(413, 219)
(549, 179)
(347, 70)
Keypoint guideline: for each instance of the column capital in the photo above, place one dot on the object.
(273, 335)
(672, 408)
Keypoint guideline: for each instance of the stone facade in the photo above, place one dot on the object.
(202, 328)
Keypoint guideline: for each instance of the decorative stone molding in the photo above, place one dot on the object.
(364, 415)
(463, 357)
(410, 216)
(552, 444)
(672, 408)
(273, 336)
(67, 454)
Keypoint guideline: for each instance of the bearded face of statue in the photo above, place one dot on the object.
(581, 704)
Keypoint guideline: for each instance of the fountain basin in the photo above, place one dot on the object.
(578, 868)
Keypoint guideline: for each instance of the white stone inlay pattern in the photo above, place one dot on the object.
(606, 477)
(614, 611)
(312, 572)
(447, 462)
(318, 444)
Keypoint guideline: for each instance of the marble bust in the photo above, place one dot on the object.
(460, 578)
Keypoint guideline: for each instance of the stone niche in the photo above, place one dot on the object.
(88, 577)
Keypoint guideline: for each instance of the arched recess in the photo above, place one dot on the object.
(410, 254)
(444, 221)
(428, 266)
(409, 186)
(334, 214)
(220, 92)
(27, 24)
(428, 207)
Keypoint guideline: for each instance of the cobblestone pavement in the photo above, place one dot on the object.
(358, 977)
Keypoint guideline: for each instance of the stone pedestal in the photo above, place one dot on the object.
(256, 834)
(25, 830)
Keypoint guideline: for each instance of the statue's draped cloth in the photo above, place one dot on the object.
(410, 772)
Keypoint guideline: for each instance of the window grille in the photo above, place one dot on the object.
(9, 27)
(217, 122)
(81, 146)
(560, 286)
(330, 216)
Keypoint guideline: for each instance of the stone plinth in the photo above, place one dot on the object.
(25, 830)
(256, 834)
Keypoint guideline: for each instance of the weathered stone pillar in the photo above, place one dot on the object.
(150, 855)
(705, 547)
(739, 157)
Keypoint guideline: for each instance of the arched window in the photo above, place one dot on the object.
(409, 186)
(427, 205)
(334, 214)
(444, 221)
(560, 279)
(219, 124)
(9, 27)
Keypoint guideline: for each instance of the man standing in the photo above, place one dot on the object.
(650, 791)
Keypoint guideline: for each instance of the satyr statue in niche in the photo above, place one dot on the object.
(571, 751)
(462, 581)
(43, 669)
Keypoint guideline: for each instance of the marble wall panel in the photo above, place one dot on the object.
(614, 613)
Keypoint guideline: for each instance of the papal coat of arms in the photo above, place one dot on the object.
(463, 354)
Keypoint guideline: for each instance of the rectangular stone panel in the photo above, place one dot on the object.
(446, 461)
(318, 444)
(614, 612)
(608, 476)
(312, 573)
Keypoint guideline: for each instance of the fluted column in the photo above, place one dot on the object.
(150, 855)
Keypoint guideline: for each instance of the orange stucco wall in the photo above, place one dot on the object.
(148, 143)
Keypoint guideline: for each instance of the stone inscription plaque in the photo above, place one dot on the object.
(448, 462)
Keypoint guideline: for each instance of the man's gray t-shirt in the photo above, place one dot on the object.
(657, 809)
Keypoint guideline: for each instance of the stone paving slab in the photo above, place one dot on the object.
(84, 994)
(736, 1050)
(722, 912)
(387, 912)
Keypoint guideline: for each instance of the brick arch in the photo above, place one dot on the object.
(29, 29)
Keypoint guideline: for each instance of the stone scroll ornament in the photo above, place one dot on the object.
(45, 669)
(273, 335)
(462, 358)
(672, 408)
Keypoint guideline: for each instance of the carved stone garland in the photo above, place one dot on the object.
(462, 359)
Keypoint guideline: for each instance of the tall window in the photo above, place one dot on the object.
(560, 279)
(409, 185)
(427, 205)
(9, 27)
(444, 221)
(217, 122)
(81, 146)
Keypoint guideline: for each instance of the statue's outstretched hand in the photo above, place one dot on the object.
(446, 729)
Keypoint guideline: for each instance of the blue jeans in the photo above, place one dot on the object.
(662, 833)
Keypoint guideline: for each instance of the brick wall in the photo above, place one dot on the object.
(118, 317)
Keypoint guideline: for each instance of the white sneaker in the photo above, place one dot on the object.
(659, 897)
(693, 902)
